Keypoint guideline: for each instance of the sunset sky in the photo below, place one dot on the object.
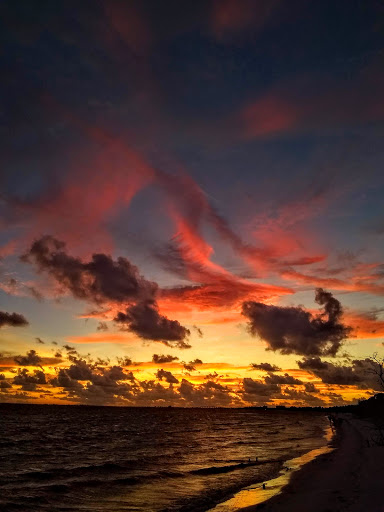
(191, 201)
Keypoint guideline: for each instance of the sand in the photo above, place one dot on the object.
(350, 478)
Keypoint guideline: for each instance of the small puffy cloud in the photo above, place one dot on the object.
(282, 379)
(191, 366)
(28, 381)
(293, 330)
(125, 361)
(266, 367)
(310, 387)
(30, 359)
(167, 376)
(161, 358)
(145, 320)
(102, 326)
(12, 319)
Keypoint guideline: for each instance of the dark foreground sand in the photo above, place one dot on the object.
(350, 478)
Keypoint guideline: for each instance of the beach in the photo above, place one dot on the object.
(349, 478)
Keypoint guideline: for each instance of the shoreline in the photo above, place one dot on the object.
(252, 496)
(347, 478)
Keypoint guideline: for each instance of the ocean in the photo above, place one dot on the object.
(79, 458)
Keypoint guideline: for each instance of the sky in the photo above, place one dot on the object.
(191, 202)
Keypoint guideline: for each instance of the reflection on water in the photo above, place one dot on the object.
(256, 494)
(149, 459)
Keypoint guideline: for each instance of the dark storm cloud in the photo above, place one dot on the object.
(145, 320)
(293, 330)
(266, 367)
(99, 281)
(167, 376)
(31, 359)
(12, 319)
(161, 358)
(103, 280)
(28, 381)
(358, 373)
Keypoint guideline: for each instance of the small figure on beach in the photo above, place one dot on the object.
(249, 460)
(257, 459)
(264, 486)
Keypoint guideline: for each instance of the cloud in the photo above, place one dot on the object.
(161, 358)
(29, 382)
(145, 320)
(167, 376)
(229, 17)
(310, 387)
(293, 330)
(315, 103)
(266, 367)
(12, 319)
(31, 359)
(220, 293)
(191, 366)
(125, 361)
(102, 326)
(101, 384)
(129, 25)
(267, 116)
(209, 393)
(359, 373)
(100, 280)
(103, 280)
(256, 390)
(40, 341)
(282, 379)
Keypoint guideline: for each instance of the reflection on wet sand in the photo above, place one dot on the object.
(263, 491)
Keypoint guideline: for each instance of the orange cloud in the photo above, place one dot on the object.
(98, 337)
(365, 325)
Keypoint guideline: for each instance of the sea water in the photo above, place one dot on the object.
(79, 458)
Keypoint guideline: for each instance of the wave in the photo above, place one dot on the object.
(212, 470)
